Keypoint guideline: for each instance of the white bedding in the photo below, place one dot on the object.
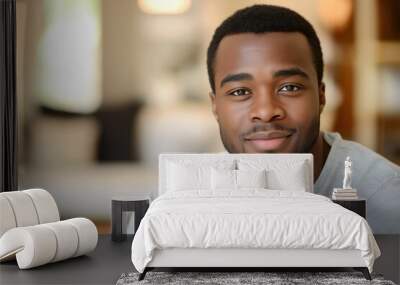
(251, 218)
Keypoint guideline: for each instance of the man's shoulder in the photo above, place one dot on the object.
(365, 160)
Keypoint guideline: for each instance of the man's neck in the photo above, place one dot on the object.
(320, 150)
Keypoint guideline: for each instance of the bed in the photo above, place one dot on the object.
(247, 211)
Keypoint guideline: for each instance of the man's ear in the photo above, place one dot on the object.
(213, 104)
(321, 97)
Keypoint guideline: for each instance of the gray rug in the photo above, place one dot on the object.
(225, 278)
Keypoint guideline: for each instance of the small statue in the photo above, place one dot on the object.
(347, 173)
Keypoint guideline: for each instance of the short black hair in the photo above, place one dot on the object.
(263, 19)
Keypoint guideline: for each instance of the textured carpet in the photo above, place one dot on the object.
(225, 278)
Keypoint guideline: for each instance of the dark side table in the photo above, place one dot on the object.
(121, 206)
(357, 206)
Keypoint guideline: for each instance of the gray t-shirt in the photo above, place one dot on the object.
(376, 179)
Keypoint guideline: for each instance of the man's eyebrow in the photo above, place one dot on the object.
(236, 77)
(291, 72)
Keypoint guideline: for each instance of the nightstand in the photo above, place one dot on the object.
(123, 206)
(357, 206)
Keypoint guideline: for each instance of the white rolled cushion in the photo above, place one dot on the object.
(87, 235)
(23, 208)
(251, 178)
(67, 240)
(40, 244)
(46, 207)
(33, 246)
(223, 179)
(7, 218)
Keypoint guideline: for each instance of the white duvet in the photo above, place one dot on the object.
(250, 219)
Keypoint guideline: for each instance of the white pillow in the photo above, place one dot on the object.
(226, 179)
(251, 178)
(223, 179)
(281, 174)
(193, 174)
(187, 177)
(294, 178)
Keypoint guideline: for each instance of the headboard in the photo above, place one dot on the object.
(213, 158)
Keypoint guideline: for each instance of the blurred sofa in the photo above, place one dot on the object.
(62, 156)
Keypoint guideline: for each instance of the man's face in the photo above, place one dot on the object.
(267, 97)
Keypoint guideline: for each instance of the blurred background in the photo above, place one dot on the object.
(105, 86)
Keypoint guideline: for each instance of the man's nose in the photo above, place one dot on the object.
(266, 108)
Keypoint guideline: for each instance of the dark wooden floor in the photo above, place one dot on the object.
(110, 260)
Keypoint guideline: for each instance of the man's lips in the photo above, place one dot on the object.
(268, 135)
(268, 140)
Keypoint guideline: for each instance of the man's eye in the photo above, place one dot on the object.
(239, 92)
(290, 88)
